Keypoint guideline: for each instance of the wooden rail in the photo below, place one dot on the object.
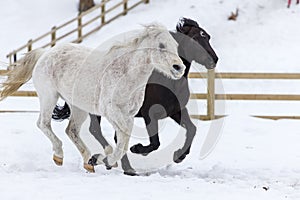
(211, 97)
(55, 36)
(226, 75)
(256, 97)
(3, 72)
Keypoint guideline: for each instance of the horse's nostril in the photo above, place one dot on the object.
(177, 67)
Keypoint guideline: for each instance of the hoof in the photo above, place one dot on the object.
(93, 161)
(58, 161)
(108, 166)
(178, 156)
(130, 173)
(89, 168)
(136, 148)
(143, 150)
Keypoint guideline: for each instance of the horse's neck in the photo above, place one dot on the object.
(187, 67)
(181, 40)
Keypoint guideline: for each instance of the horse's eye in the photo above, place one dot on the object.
(202, 34)
(162, 46)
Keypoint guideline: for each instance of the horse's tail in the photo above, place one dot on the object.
(20, 74)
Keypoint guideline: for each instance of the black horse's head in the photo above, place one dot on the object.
(198, 48)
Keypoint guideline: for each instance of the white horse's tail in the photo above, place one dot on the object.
(20, 74)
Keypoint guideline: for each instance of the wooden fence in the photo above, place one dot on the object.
(211, 97)
(82, 22)
(102, 10)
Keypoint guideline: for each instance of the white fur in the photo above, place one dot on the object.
(110, 84)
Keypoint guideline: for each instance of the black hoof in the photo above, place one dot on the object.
(61, 113)
(108, 167)
(131, 173)
(138, 148)
(93, 160)
(179, 156)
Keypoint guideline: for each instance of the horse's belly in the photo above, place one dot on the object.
(83, 94)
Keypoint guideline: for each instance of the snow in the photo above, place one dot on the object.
(254, 158)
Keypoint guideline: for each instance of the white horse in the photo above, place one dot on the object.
(110, 83)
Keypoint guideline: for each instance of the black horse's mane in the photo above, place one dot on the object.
(186, 22)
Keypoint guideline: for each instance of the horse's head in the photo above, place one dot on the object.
(191, 29)
(164, 51)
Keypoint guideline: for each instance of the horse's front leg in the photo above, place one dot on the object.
(126, 166)
(184, 120)
(123, 135)
(152, 130)
(123, 126)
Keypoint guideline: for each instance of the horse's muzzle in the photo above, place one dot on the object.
(211, 66)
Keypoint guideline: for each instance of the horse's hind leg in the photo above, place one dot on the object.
(95, 130)
(47, 103)
(184, 120)
(76, 120)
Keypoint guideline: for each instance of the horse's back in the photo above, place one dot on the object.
(64, 68)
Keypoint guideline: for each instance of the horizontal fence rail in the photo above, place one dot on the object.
(227, 75)
(78, 28)
(257, 97)
(211, 97)
(3, 72)
(53, 36)
(241, 97)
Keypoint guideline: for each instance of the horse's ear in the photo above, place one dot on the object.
(190, 22)
(179, 25)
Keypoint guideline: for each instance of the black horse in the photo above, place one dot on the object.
(165, 97)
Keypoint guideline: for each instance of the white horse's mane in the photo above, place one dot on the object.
(152, 29)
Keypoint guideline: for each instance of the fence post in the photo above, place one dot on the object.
(103, 12)
(15, 56)
(79, 28)
(211, 94)
(29, 45)
(125, 7)
(53, 36)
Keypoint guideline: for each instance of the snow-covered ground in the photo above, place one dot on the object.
(254, 159)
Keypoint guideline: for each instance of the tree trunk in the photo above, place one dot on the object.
(85, 5)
